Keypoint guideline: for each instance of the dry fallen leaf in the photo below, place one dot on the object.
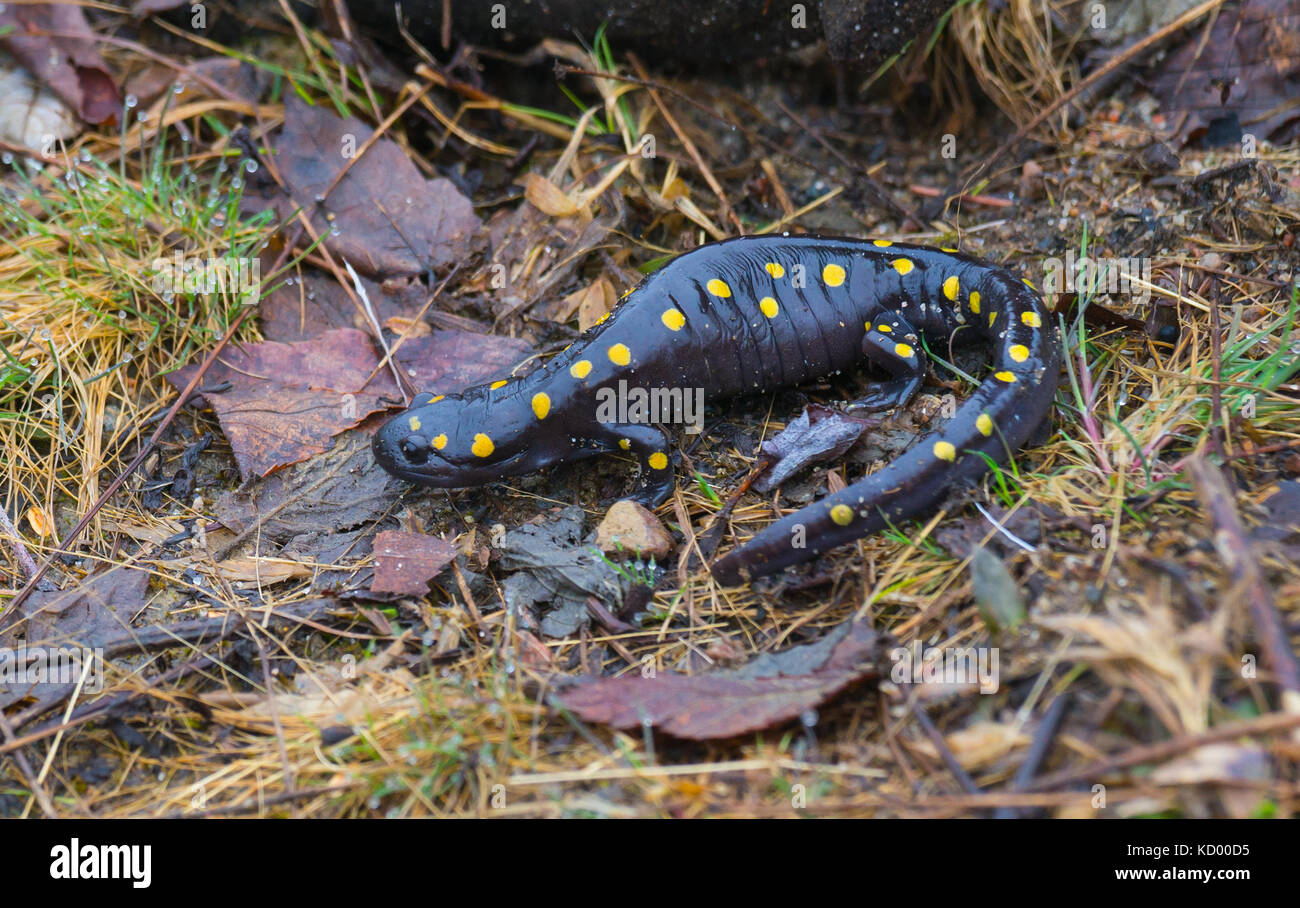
(282, 403)
(771, 688)
(406, 562)
(40, 522)
(54, 41)
(384, 216)
(547, 197)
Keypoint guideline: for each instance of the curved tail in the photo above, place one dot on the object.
(995, 421)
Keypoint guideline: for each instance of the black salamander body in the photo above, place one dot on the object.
(748, 315)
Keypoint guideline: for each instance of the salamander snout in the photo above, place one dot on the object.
(405, 448)
(447, 443)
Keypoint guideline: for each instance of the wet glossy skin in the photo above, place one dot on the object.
(749, 315)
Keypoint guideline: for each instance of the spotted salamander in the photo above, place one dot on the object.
(752, 314)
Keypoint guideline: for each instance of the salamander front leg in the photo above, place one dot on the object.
(650, 445)
(892, 345)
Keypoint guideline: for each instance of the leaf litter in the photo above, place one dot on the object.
(1153, 668)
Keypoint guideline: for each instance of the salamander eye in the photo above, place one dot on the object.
(415, 448)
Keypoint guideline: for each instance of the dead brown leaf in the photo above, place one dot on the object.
(383, 216)
(54, 42)
(1247, 70)
(406, 562)
(721, 704)
(285, 402)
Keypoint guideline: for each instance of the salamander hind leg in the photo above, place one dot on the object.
(650, 446)
(893, 345)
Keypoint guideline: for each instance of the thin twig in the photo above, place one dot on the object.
(705, 170)
(145, 450)
(1165, 750)
(25, 562)
(1235, 549)
(29, 777)
(949, 758)
(1083, 85)
(1038, 749)
(260, 801)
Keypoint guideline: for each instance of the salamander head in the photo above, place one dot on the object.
(447, 442)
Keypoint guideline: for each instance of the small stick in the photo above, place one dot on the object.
(121, 478)
(34, 785)
(694, 152)
(949, 758)
(25, 562)
(1097, 75)
(988, 201)
(140, 456)
(1233, 545)
(1038, 748)
(260, 801)
(882, 197)
(1165, 750)
(782, 197)
(89, 712)
(1217, 431)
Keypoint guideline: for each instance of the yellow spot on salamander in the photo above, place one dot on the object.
(867, 326)
(625, 444)
(975, 303)
(883, 243)
(414, 423)
(904, 351)
(1018, 352)
(440, 442)
(580, 369)
(776, 269)
(620, 355)
(601, 320)
(947, 249)
(482, 446)
(833, 275)
(1007, 377)
(498, 384)
(436, 399)
(1028, 284)
(950, 288)
(718, 288)
(992, 317)
(884, 329)
(945, 451)
(842, 514)
(1031, 319)
(903, 266)
(769, 307)
(673, 319)
(984, 424)
(658, 460)
(541, 404)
